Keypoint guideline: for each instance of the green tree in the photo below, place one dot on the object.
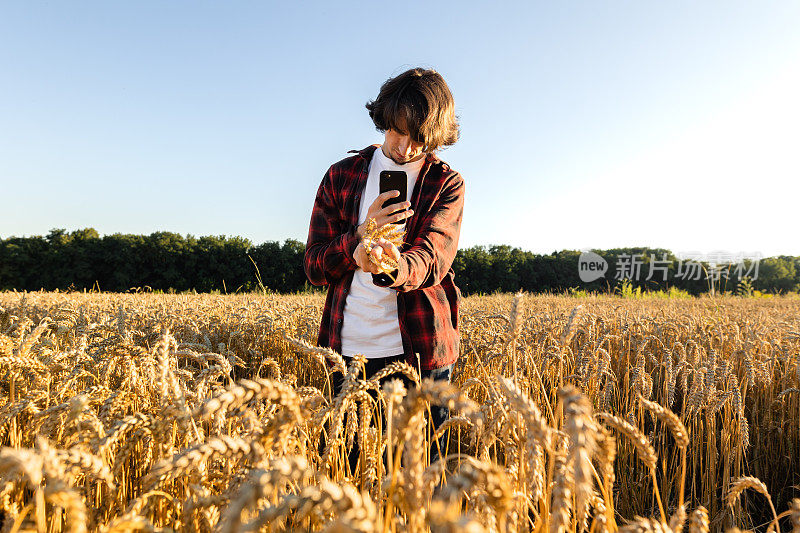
(776, 274)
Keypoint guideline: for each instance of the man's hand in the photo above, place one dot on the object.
(384, 248)
(386, 215)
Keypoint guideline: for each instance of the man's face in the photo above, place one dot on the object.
(400, 148)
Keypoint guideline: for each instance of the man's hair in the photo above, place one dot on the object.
(419, 103)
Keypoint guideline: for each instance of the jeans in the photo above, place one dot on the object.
(439, 413)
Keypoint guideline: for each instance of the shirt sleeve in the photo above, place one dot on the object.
(431, 254)
(331, 239)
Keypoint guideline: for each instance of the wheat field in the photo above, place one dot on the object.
(149, 412)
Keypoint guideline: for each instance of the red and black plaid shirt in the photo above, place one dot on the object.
(427, 297)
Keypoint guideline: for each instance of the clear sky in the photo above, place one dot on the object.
(591, 124)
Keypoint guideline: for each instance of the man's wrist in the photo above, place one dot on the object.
(350, 242)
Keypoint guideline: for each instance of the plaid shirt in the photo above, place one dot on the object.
(427, 297)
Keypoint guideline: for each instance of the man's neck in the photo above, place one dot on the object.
(383, 151)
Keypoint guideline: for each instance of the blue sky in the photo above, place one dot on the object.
(584, 124)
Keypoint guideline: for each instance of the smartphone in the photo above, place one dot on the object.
(393, 180)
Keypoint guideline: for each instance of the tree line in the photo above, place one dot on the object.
(165, 261)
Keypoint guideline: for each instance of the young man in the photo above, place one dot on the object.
(414, 318)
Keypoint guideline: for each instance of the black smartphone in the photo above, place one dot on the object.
(393, 180)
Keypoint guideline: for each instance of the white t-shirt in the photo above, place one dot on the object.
(370, 325)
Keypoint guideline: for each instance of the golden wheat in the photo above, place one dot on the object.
(215, 413)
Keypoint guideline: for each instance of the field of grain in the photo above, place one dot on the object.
(214, 413)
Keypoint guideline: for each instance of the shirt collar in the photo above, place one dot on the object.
(367, 152)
